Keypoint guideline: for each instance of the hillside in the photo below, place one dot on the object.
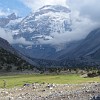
(10, 59)
(11, 62)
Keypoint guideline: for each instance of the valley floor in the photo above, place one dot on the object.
(49, 87)
(45, 91)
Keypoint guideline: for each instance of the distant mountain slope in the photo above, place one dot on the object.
(89, 48)
(90, 44)
(11, 62)
(5, 45)
(9, 58)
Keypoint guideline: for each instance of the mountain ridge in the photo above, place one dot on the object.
(41, 25)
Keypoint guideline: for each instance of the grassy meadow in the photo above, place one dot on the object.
(19, 80)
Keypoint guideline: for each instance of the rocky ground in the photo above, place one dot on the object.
(44, 91)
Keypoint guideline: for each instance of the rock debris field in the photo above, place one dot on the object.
(44, 91)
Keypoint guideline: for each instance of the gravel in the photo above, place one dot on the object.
(35, 91)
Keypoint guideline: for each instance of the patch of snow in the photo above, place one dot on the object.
(13, 22)
(29, 47)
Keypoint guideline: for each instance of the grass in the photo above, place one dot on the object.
(19, 80)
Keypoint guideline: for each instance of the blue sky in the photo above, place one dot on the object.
(87, 8)
(9, 6)
(24, 7)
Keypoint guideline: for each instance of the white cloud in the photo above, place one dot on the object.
(35, 4)
(81, 27)
(6, 35)
(22, 41)
(7, 11)
(2, 13)
(9, 37)
(85, 16)
(89, 8)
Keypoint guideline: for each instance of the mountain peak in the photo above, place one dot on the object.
(46, 20)
(56, 8)
(12, 16)
(5, 20)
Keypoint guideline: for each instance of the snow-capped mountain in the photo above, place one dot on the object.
(42, 25)
(14, 24)
(45, 21)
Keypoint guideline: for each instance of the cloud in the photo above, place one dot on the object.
(85, 17)
(81, 27)
(7, 11)
(3, 13)
(35, 4)
(9, 37)
(6, 35)
(89, 8)
(22, 41)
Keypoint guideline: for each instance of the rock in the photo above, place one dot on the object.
(27, 84)
(43, 90)
(4, 93)
(96, 98)
(11, 98)
(59, 92)
(51, 88)
(33, 86)
(19, 97)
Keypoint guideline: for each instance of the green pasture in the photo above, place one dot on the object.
(19, 80)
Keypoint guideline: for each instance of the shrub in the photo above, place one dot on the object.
(98, 72)
(93, 74)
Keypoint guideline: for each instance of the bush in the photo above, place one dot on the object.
(93, 74)
(98, 72)
(8, 68)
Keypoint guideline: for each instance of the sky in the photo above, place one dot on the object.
(9, 6)
(24, 7)
(86, 11)
(90, 8)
